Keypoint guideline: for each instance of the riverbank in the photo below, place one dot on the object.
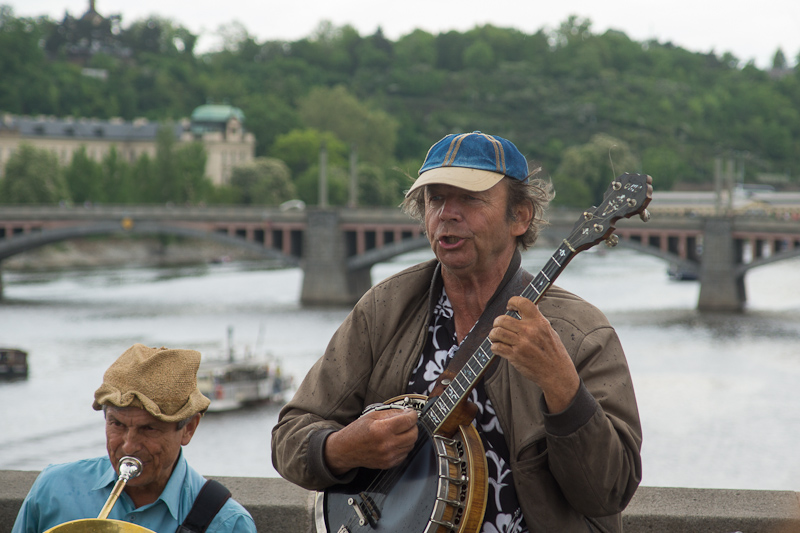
(124, 251)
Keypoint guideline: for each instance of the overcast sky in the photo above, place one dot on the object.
(749, 30)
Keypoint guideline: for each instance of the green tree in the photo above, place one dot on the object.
(479, 55)
(308, 185)
(84, 177)
(24, 79)
(263, 181)
(234, 36)
(665, 166)
(375, 188)
(779, 60)
(191, 183)
(300, 150)
(375, 53)
(143, 180)
(158, 35)
(268, 116)
(586, 170)
(117, 178)
(164, 184)
(336, 110)
(32, 176)
(416, 48)
(450, 48)
(178, 173)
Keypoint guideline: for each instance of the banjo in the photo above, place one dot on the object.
(441, 487)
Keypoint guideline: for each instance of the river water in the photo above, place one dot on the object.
(718, 394)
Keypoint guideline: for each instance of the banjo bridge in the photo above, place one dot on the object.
(365, 509)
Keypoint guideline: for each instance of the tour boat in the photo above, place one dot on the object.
(233, 384)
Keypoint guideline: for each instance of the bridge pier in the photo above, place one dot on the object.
(721, 287)
(326, 278)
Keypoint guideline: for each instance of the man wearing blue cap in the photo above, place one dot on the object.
(556, 413)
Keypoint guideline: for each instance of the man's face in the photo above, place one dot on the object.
(469, 230)
(157, 444)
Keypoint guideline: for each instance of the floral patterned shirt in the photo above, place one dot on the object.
(503, 514)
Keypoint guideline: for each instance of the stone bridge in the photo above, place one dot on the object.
(336, 248)
(717, 250)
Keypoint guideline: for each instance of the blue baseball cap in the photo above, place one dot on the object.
(473, 161)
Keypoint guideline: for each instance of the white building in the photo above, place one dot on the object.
(219, 127)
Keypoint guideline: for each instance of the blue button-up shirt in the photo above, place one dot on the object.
(73, 491)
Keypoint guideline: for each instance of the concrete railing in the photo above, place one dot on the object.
(278, 506)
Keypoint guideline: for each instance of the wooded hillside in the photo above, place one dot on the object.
(576, 101)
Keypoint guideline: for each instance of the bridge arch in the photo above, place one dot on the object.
(686, 266)
(30, 241)
(779, 256)
(337, 248)
(387, 252)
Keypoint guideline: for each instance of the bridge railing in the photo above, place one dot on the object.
(277, 506)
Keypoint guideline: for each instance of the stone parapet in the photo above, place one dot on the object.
(278, 506)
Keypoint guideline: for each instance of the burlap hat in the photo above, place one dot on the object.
(161, 381)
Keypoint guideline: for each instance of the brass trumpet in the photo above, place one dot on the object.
(129, 467)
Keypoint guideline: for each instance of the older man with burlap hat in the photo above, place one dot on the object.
(152, 408)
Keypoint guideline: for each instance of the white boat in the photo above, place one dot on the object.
(231, 385)
(231, 382)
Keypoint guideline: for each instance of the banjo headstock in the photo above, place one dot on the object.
(626, 196)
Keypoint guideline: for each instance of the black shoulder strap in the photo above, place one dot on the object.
(212, 497)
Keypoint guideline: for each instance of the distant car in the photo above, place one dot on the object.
(679, 273)
(293, 205)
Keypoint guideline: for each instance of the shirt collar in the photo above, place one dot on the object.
(109, 477)
(172, 492)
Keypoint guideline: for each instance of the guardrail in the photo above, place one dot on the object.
(277, 506)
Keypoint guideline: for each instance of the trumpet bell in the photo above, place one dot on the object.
(98, 525)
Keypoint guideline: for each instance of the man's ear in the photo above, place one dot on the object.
(189, 429)
(523, 214)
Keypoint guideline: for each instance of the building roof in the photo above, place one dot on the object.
(204, 119)
(84, 129)
(217, 113)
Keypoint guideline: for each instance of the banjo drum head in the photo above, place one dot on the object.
(98, 525)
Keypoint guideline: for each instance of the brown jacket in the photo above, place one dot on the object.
(571, 469)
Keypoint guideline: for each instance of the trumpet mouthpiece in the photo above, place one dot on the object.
(129, 467)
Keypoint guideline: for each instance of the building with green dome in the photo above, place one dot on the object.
(221, 129)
